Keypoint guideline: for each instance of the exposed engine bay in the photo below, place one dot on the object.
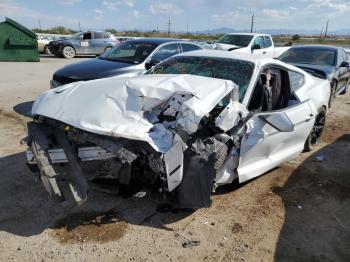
(169, 136)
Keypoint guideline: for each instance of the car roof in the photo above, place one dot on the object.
(158, 41)
(231, 55)
(251, 34)
(329, 47)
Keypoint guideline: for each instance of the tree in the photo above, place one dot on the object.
(295, 37)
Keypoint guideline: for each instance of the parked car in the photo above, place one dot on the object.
(252, 43)
(129, 58)
(86, 43)
(44, 40)
(327, 62)
(194, 122)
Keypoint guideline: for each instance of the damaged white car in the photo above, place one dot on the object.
(196, 121)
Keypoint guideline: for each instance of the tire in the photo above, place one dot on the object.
(346, 88)
(107, 49)
(317, 130)
(47, 50)
(332, 95)
(68, 52)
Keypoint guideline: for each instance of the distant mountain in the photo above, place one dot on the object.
(226, 30)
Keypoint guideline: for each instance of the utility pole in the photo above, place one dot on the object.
(252, 24)
(187, 28)
(39, 24)
(325, 33)
(169, 24)
(79, 27)
(321, 32)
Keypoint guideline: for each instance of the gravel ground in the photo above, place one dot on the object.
(297, 212)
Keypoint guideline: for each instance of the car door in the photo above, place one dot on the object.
(269, 48)
(85, 43)
(273, 137)
(98, 44)
(259, 46)
(342, 71)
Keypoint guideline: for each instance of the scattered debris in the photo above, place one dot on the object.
(191, 243)
(320, 158)
(300, 207)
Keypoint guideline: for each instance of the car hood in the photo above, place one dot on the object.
(220, 46)
(94, 69)
(130, 107)
(321, 71)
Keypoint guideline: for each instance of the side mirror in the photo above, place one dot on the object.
(344, 64)
(255, 47)
(278, 120)
(151, 63)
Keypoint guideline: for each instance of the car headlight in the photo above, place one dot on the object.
(330, 77)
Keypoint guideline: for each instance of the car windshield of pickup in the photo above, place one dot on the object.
(237, 40)
(312, 56)
(129, 52)
(238, 71)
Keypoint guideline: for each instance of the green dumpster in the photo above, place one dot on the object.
(17, 43)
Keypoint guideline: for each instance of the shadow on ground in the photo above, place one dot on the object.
(26, 210)
(317, 201)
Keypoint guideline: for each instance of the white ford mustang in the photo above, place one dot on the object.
(194, 122)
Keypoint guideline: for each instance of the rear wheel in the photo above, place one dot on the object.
(68, 52)
(107, 49)
(317, 131)
(346, 88)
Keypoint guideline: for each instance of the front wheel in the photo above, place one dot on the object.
(68, 52)
(47, 50)
(317, 131)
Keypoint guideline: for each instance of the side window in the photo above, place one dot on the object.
(87, 36)
(272, 92)
(260, 42)
(166, 52)
(296, 80)
(268, 41)
(98, 35)
(189, 47)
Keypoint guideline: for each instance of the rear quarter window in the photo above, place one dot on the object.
(189, 47)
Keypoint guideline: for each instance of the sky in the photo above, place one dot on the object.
(196, 15)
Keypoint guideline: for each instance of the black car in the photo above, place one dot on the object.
(129, 58)
(328, 62)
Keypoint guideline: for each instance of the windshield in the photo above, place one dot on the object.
(237, 40)
(75, 35)
(238, 71)
(313, 56)
(129, 52)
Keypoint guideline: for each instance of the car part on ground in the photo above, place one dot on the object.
(129, 58)
(160, 129)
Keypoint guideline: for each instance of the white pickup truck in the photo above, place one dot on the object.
(254, 43)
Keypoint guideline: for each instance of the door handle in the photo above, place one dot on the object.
(311, 116)
(264, 53)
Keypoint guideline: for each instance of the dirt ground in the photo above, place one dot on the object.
(298, 212)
